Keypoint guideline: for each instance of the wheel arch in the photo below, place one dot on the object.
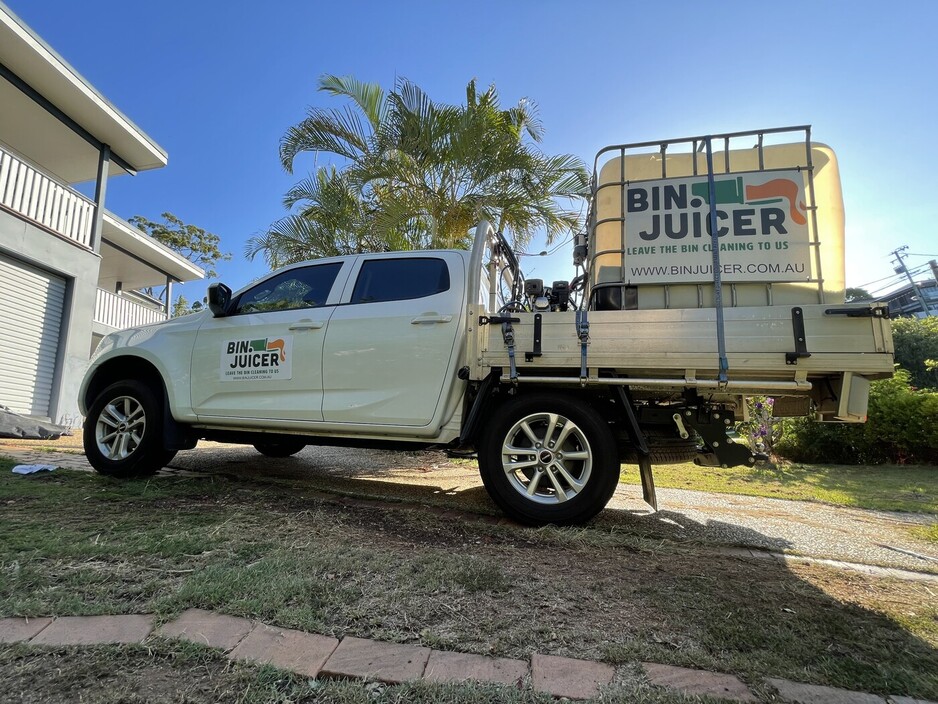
(118, 368)
(176, 435)
(500, 394)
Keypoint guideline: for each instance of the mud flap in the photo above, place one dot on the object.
(641, 445)
(648, 482)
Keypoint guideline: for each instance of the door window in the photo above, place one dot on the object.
(400, 279)
(306, 287)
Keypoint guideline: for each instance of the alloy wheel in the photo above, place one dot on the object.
(120, 428)
(547, 458)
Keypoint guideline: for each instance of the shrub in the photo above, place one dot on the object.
(902, 428)
(916, 341)
(762, 431)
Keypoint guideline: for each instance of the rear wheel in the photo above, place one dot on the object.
(548, 458)
(123, 433)
(286, 448)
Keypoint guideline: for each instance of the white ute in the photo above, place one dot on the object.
(647, 355)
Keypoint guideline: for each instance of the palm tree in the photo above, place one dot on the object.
(416, 174)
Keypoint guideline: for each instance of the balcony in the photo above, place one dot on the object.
(119, 312)
(39, 198)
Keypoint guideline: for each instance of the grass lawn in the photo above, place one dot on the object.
(275, 550)
(884, 487)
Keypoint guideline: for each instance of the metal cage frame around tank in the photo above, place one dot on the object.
(698, 145)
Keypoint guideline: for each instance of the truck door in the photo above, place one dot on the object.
(390, 347)
(264, 359)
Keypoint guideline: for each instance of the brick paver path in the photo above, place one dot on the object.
(446, 666)
(816, 694)
(305, 653)
(14, 630)
(698, 682)
(315, 655)
(373, 660)
(95, 630)
(566, 677)
(207, 628)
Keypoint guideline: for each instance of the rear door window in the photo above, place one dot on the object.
(400, 279)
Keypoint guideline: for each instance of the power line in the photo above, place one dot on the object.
(891, 276)
(903, 269)
(886, 287)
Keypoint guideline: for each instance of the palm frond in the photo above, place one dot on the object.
(369, 97)
(419, 173)
(338, 132)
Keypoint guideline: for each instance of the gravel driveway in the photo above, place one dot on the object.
(801, 527)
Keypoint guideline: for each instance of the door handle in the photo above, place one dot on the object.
(431, 318)
(307, 325)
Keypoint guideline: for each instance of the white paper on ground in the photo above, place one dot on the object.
(31, 468)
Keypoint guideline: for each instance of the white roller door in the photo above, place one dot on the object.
(31, 305)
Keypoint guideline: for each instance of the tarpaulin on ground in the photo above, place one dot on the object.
(13, 425)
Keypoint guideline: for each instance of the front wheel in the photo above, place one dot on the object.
(548, 458)
(123, 431)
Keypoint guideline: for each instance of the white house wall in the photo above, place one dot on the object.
(79, 267)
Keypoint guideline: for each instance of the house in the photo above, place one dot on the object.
(68, 267)
(906, 301)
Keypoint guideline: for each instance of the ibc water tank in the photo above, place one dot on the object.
(650, 245)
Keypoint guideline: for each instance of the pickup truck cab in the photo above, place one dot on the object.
(360, 345)
(552, 386)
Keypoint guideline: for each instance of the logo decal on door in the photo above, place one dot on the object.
(252, 360)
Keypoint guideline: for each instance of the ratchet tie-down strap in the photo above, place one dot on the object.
(583, 332)
(508, 335)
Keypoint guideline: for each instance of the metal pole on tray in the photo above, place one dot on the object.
(717, 277)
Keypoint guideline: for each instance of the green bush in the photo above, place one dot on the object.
(916, 342)
(902, 428)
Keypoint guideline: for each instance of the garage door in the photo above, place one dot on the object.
(31, 304)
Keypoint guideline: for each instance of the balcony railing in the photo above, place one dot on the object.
(40, 198)
(119, 312)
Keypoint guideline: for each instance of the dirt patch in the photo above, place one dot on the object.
(60, 444)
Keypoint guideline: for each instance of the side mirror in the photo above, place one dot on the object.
(219, 296)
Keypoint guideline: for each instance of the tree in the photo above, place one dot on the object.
(182, 307)
(854, 295)
(417, 174)
(916, 343)
(332, 221)
(195, 244)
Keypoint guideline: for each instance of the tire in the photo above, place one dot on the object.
(676, 451)
(287, 448)
(123, 433)
(572, 482)
(664, 447)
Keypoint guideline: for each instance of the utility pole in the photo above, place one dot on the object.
(901, 268)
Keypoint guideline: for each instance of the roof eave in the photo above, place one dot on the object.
(53, 77)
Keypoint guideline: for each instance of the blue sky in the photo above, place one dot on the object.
(217, 83)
